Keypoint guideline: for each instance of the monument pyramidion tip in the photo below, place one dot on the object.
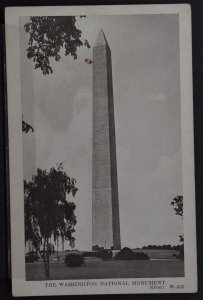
(101, 39)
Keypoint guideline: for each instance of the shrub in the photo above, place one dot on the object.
(95, 248)
(128, 254)
(105, 254)
(90, 254)
(140, 256)
(181, 253)
(124, 254)
(31, 257)
(74, 260)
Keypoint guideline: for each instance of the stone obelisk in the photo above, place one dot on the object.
(105, 203)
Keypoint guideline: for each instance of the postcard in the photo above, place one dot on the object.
(101, 150)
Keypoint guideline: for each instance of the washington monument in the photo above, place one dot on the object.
(105, 214)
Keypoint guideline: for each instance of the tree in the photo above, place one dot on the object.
(177, 202)
(48, 215)
(48, 36)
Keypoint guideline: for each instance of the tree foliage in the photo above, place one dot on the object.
(177, 203)
(48, 35)
(47, 212)
(26, 127)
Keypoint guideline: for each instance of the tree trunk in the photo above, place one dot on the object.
(46, 258)
(63, 245)
(47, 272)
(57, 249)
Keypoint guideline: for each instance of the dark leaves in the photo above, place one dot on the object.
(47, 211)
(86, 43)
(26, 127)
(177, 202)
(181, 238)
(48, 35)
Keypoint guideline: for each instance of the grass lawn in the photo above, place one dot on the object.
(159, 253)
(95, 268)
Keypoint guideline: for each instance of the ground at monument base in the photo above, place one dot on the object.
(97, 269)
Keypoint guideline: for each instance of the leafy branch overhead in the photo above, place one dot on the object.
(48, 35)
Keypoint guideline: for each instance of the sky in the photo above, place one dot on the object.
(146, 83)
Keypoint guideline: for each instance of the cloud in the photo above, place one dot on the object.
(160, 97)
(63, 94)
(56, 105)
(60, 102)
(82, 97)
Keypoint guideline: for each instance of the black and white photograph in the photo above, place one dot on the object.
(104, 137)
